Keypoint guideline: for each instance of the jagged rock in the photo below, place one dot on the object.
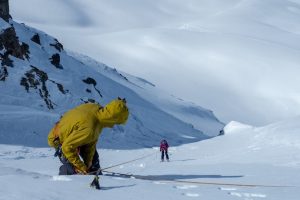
(4, 10)
(114, 70)
(3, 73)
(10, 41)
(24, 82)
(6, 61)
(25, 50)
(91, 81)
(55, 60)
(60, 87)
(36, 39)
(57, 45)
(36, 79)
(88, 100)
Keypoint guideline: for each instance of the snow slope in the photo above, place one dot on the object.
(37, 90)
(267, 157)
(211, 52)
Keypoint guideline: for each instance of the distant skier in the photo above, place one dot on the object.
(76, 134)
(164, 149)
(222, 132)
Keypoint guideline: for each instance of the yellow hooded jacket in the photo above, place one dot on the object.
(81, 127)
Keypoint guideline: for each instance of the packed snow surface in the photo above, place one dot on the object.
(250, 164)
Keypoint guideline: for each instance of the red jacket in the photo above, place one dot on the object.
(164, 145)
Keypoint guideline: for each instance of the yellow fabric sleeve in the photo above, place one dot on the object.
(70, 147)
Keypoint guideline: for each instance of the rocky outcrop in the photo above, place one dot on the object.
(57, 45)
(36, 79)
(55, 60)
(4, 10)
(91, 81)
(36, 39)
(10, 46)
(10, 42)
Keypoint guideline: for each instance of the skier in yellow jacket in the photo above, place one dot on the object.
(77, 133)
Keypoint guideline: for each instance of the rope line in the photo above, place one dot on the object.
(182, 181)
(128, 161)
(102, 169)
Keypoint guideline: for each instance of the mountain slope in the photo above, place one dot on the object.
(214, 52)
(45, 81)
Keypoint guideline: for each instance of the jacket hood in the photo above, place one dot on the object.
(115, 112)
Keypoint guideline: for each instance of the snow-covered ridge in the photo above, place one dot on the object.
(234, 127)
(276, 144)
(45, 81)
(214, 52)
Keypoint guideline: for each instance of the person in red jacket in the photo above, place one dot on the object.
(164, 150)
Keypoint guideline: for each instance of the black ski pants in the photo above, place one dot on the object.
(163, 152)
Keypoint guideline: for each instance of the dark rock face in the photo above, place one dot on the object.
(57, 45)
(10, 41)
(88, 100)
(36, 79)
(91, 81)
(10, 46)
(60, 87)
(3, 73)
(25, 50)
(55, 60)
(36, 39)
(5, 60)
(4, 10)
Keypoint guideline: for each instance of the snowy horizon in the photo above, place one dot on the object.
(237, 58)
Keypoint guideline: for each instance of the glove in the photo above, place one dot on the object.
(58, 151)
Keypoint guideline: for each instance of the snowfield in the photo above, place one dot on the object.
(247, 163)
(239, 58)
